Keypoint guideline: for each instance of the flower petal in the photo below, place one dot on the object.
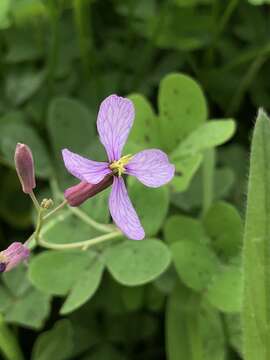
(14, 255)
(84, 169)
(115, 119)
(151, 167)
(122, 211)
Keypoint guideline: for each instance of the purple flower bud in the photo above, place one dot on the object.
(25, 167)
(76, 195)
(13, 256)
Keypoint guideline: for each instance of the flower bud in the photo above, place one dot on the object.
(25, 167)
(13, 256)
(76, 195)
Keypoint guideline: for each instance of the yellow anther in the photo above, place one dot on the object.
(118, 167)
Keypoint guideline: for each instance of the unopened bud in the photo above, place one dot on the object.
(13, 256)
(46, 203)
(25, 167)
(79, 193)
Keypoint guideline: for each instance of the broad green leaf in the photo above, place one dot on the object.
(16, 281)
(145, 131)
(56, 343)
(182, 108)
(224, 226)
(207, 136)
(183, 28)
(71, 125)
(56, 272)
(134, 263)
(21, 85)
(145, 201)
(182, 227)
(185, 168)
(193, 330)
(26, 305)
(195, 263)
(256, 253)
(29, 310)
(14, 132)
(85, 287)
(219, 293)
(258, 2)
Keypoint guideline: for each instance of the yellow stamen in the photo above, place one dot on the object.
(118, 167)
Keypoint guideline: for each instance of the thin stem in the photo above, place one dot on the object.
(226, 16)
(39, 225)
(81, 244)
(34, 199)
(59, 207)
(90, 221)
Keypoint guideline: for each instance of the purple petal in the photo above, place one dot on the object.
(115, 119)
(151, 167)
(14, 255)
(84, 169)
(122, 211)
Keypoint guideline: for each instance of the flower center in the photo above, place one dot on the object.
(118, 166)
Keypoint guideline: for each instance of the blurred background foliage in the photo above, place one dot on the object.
(59, 59)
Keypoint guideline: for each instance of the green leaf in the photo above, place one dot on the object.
(16, 281)
(145, 201)
(29, 310)
(56, 343)
(256, 253)
(97, 207)
(193, 330)
(134, 263)
(85, 287)
(16, 131)
(224, 225)
(21, 85)
(227, 282)
(182, 109)
(55, 272)
(71, 125)
(207, 136)
(145, 131)
(195, 263)
(185, 168)
(258, 2)
(181, 227)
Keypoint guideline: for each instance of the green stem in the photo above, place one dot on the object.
(59, 207)
(9, 346)
(34, 199)
(81, 244)
(39, 225)
(226, 16)
(80, 214)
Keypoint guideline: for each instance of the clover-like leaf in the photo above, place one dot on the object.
(134, 263)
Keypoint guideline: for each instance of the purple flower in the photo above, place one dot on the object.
(13, 256)
(151, 167)
(25, 167)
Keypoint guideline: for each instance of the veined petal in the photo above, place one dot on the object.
(151, 167)
(84, 169)
(122, 211)
(115, 119)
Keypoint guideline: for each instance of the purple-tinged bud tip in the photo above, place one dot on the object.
(13, 256)
(77, 194)
(24, 164)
